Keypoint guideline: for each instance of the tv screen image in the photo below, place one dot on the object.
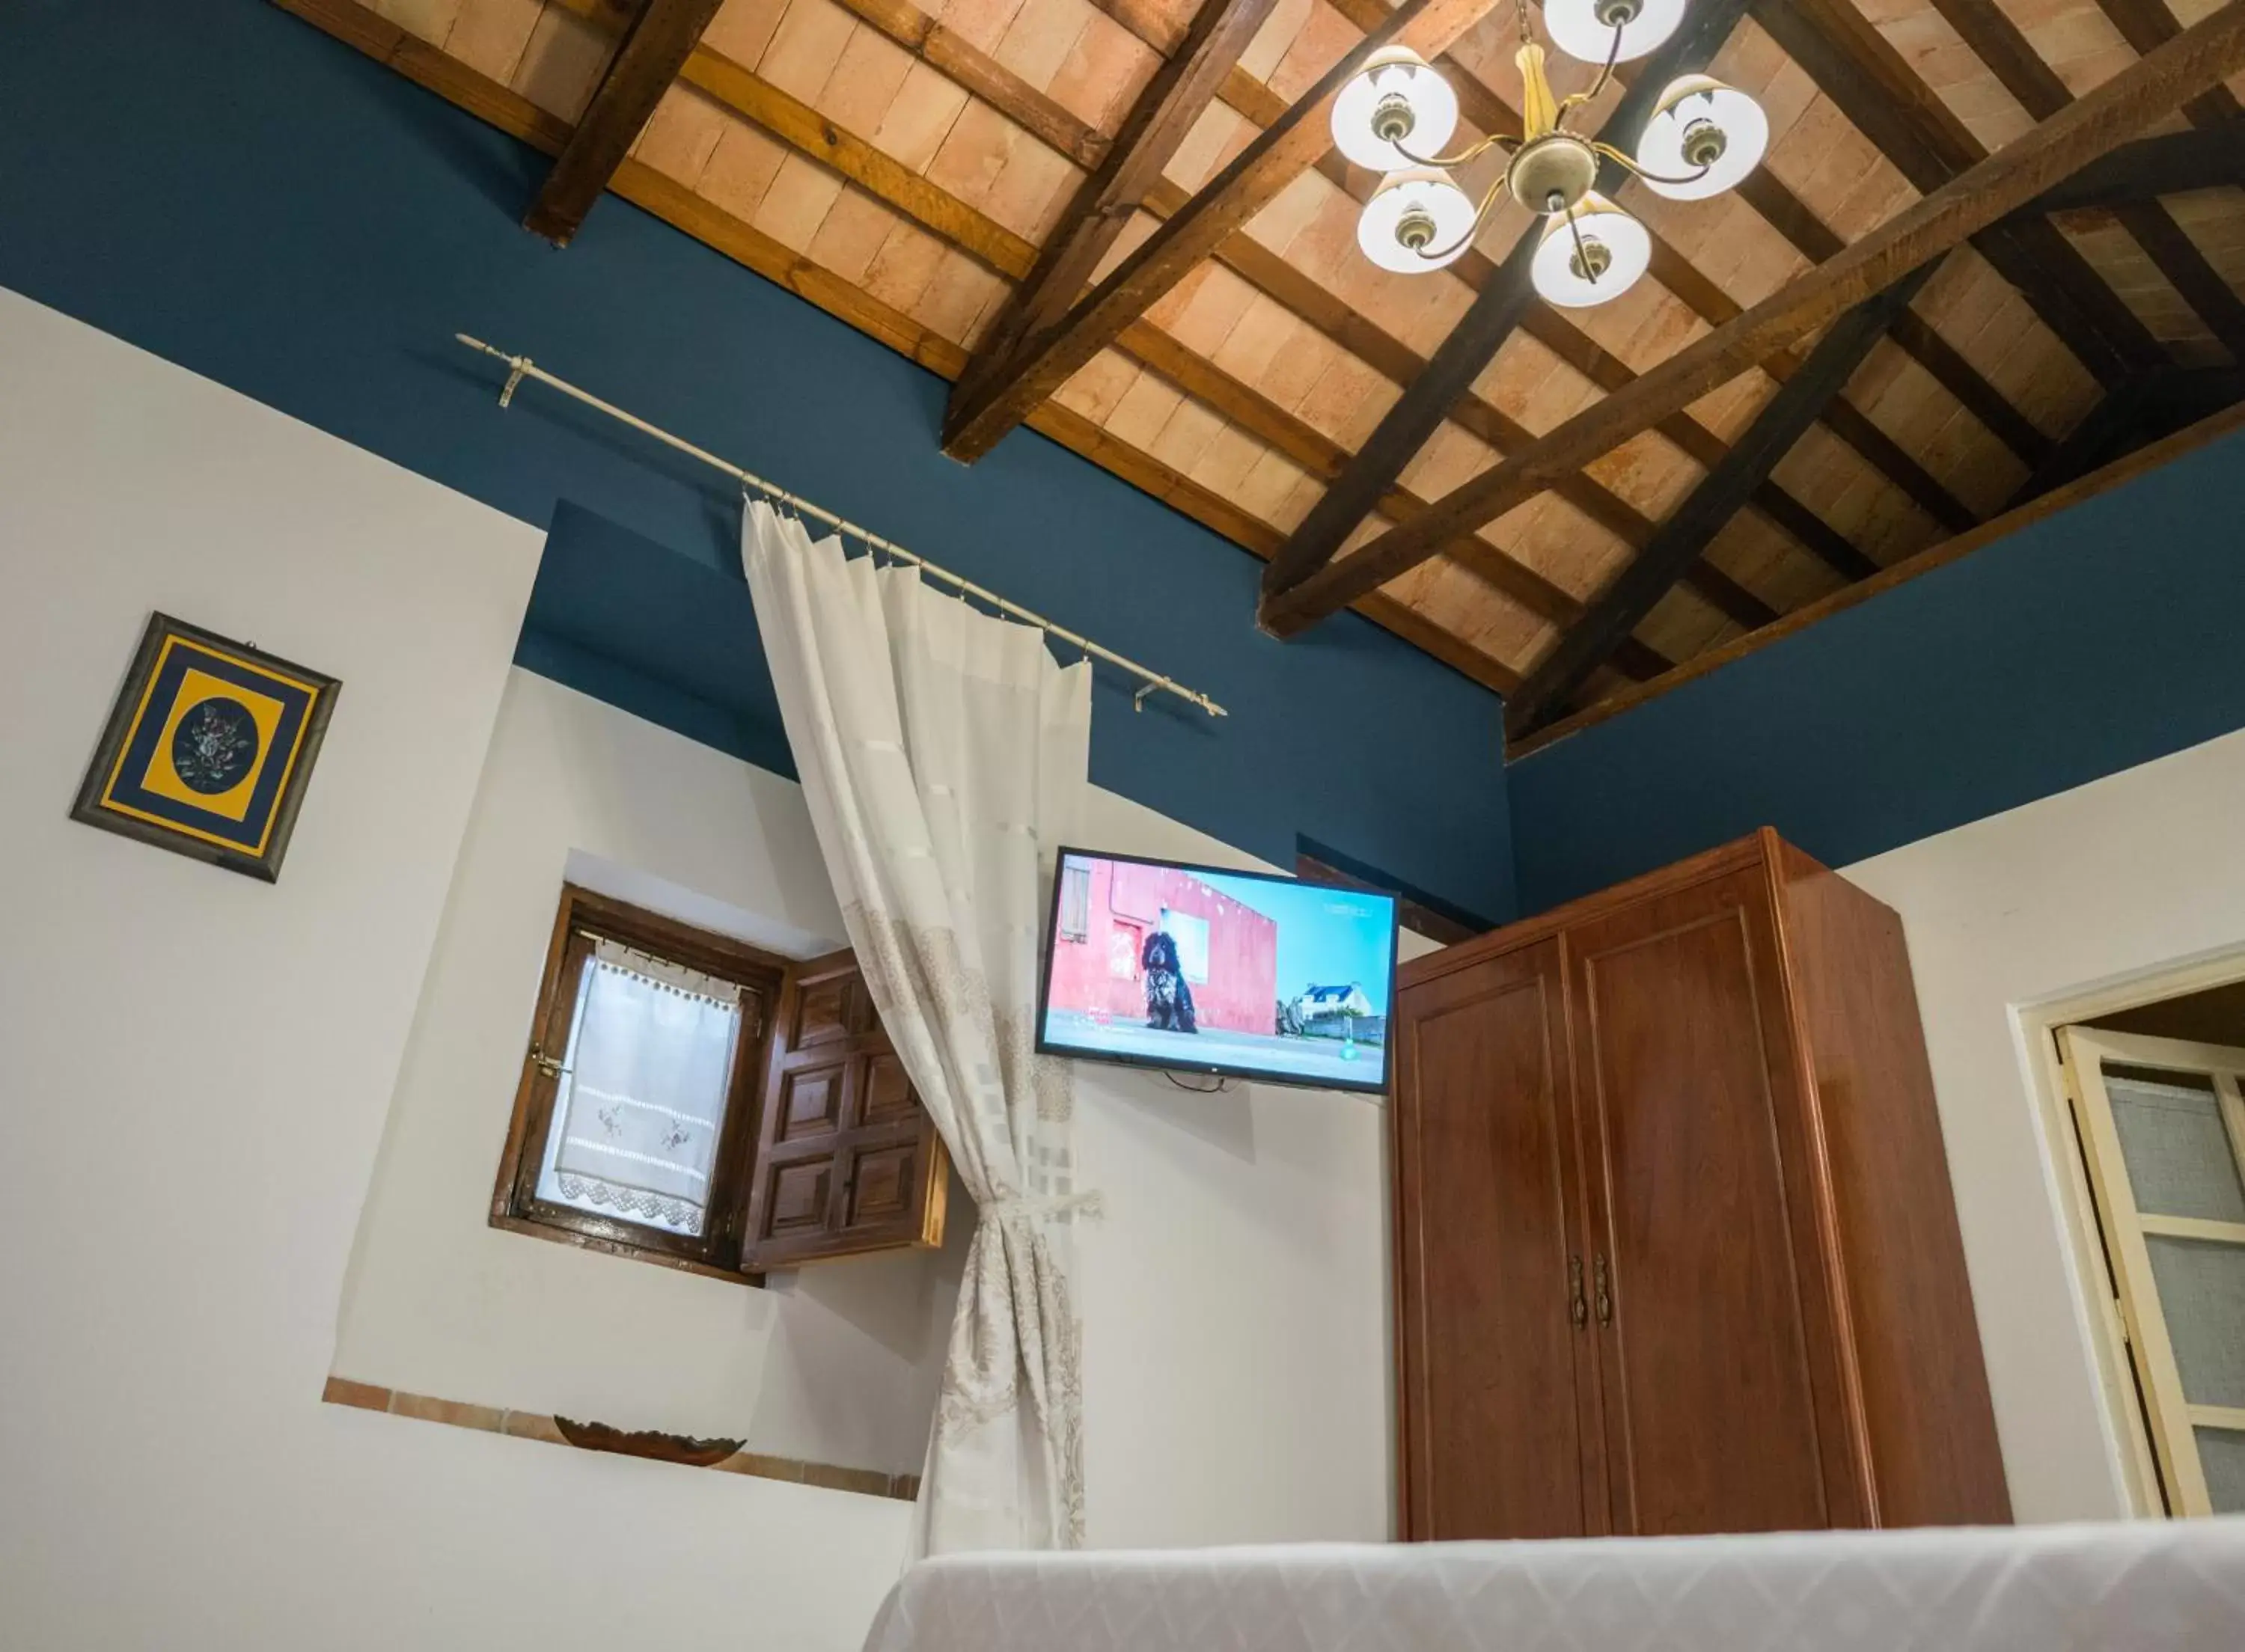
(1159, 964)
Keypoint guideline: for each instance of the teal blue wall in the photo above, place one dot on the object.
(220, 183)
(2095, 639)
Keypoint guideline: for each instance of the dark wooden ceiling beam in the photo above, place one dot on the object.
(653, 52)
(1684, 537)
(1254, 177)
(2168, 163)
(2200, 57)
(2148, 24)
(1866, 79)
(1473, 342)
(1182, 89)
(1996, 40)
(2139, 413)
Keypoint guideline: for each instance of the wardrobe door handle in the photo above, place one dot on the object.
(1606, 1296)
(1578, 1311)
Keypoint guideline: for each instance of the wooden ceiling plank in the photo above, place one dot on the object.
(1278, 155)
(1865, 78)
(1177, 96)
(654, 49)
(2148, 24)
(1684, 537)
(1472, 344)
(2201, 55)
(1996, 40)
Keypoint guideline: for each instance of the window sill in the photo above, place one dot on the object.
(618, 1248)
(492, 1419)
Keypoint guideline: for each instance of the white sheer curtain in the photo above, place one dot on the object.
(944, 754)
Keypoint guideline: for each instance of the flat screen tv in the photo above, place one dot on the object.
(1198, 970)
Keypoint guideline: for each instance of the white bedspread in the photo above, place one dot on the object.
(2174, 1586)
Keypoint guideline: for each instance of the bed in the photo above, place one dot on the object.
(2174, 1586)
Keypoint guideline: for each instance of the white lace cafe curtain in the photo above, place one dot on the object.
(944, 754)
(642, 1090)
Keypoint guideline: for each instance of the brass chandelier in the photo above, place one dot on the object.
(1396, 113)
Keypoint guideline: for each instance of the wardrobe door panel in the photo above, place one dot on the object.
(1493, 1364)
(1702, 1199)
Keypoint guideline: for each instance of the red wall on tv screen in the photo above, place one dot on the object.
(1099, 972)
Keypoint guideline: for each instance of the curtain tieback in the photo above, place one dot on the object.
(1030, 1208)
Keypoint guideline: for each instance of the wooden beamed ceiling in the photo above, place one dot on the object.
(1121, 222)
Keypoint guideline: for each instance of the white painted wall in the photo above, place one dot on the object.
(195, 1068)
(2127, 875)
(829, 1364)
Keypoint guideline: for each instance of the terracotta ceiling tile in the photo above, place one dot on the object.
(1165, 311)
(1226, 461)
(1033, 190)
(805, 48)
(975, 151)
(1787, 101)
(682, 135)
(902, 269)
(743, 29)
(431, 20)
(489, 35)
(1894, 528)
(1648, 473)
(562, 64)
(1681, 625)
(1202, 151)
(2080, 32)
(864, 82)
(1519, 367)
(981, 23)
(1287, 514)
(926, 108)
(1324, 246)
(1142, 410)
(1264, 328)
(1990, 113)
(1134, 234)
(1878, 196)
(1269, 47)
(1450, 458)
(1103, 72)
(1214, 309)
(1094, 388)
(801, 194)
(1324, 35)
(958, 295)
(1346, 401)
(1041, 36)
(1295, 370)
(1730, 407)
(1184, 435)
(852, 236)
(1749, 59)
(1978, 469)
(741, 169)
(1266, 486)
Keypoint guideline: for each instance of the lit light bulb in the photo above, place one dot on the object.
(1612, 252)
(1584, 28)
(1698, 122)
(1413, 213)
(1395, 97)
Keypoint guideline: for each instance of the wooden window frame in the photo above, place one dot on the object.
(2171, 1420)
(583, 917)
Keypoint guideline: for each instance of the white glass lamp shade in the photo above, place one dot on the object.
(1584, 28)
(1414, 213)
(1619, 251)
(1693, 112)
(1395, 86)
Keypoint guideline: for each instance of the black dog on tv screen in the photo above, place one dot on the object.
(1168, 999)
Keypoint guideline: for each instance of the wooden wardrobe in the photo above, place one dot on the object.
(1675, 1249)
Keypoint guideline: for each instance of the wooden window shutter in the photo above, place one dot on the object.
(847, 1160)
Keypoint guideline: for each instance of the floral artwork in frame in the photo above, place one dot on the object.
(208, 750)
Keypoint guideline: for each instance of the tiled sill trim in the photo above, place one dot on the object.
(342, 1390)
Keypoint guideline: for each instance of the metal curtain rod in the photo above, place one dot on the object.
(520, 368)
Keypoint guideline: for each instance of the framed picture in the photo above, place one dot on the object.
(208, 750)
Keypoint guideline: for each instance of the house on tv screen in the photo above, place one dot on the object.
(1227, 951)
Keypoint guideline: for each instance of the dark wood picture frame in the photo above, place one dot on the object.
(582, 916)
(116, 800)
